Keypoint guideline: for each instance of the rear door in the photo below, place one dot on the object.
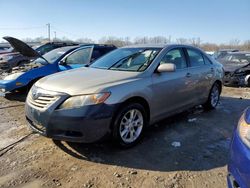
(201, 73)
(172, 91)
(78, 58)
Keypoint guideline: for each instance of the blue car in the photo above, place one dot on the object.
(239, 163)
(57, 60)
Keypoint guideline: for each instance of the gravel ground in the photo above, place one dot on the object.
(188, 150)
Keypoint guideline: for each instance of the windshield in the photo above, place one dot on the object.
(53, 55)
(238, 58)
(127, 59)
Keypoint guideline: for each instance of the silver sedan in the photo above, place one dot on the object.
(123, 92)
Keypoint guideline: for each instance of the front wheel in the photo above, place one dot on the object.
(214, 97)
(129, 125)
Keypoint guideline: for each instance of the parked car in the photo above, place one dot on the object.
(210, 53)
(123, 92)
(13, 58)
(239, 162)
(48, 46)
(223, 52)
(237, 69)
(57, 60)
(3, 48)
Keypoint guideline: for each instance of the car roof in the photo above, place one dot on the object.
(160, 46)
(228, 50)
(240, 52)
(61, 43)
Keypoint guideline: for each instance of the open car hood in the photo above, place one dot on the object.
(22, 47)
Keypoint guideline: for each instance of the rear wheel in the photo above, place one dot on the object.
(129, 125)
(214, 97)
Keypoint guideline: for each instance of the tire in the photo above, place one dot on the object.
(247, 80)
(125, 131)
(27, 88)
(213, 98)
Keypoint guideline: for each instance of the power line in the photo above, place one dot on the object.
(21, 28)
(65, 32)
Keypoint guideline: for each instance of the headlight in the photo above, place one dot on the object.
(84, 100)
(244, 127)
(13, 76)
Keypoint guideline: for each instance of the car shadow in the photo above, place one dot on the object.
(195, 140)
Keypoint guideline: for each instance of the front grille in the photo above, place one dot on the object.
(40, 98)
(42, 101)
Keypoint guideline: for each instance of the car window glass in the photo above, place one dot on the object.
(96, 54)
(44, 49)
(81, 56)
(207, 61)
(176, 57)
(195, 57)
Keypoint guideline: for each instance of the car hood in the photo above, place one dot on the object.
(230, 66)
(85, 80)
(22, 47)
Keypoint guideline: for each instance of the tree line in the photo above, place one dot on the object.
(124, 41)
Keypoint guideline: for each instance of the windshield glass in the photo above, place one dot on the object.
(127, 59)
(53, 55)
(238, 58)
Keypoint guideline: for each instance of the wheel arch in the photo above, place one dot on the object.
(134, 99)
(219, 83)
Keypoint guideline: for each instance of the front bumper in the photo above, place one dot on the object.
(232, 79)
(85, 124)
(7, 85)
(239, 164)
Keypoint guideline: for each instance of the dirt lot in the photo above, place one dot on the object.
(30, 160)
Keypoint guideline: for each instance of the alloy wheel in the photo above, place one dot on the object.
(131, 126)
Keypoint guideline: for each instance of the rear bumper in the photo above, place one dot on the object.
(87, 124)
(239, 164)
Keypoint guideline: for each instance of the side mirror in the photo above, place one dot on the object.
(166, 67)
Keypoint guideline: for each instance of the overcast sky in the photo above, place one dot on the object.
(216, 21)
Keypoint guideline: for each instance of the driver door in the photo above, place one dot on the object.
(78, 58)
(172, 89)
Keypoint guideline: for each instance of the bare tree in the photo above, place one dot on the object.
(181, 41)
(84, 40)
(234, 42)
(195, 41)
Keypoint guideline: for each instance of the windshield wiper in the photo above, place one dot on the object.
(127, 57)
(148, 60)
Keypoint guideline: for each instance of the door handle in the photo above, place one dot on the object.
(188, 75)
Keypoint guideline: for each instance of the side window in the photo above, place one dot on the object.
(175, 56)
(207, 61)
(81, 56)
(45, 49)
(96, 54)
(195, 57)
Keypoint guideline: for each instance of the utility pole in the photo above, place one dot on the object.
(55, 35)
(48, 31)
